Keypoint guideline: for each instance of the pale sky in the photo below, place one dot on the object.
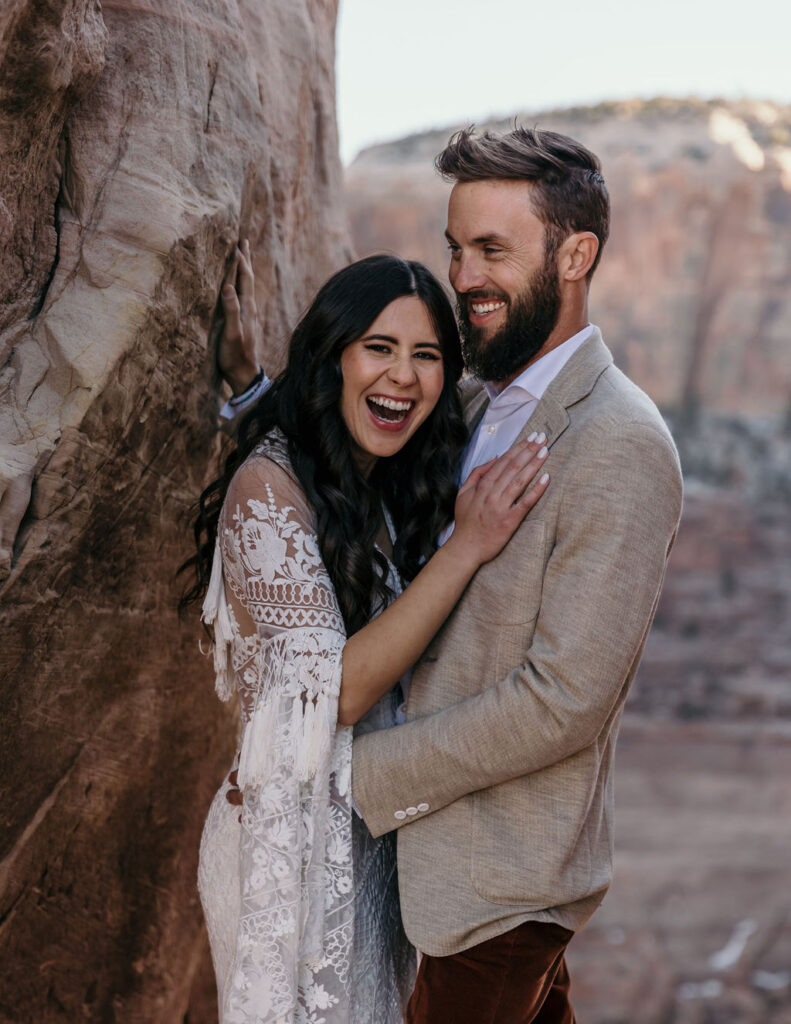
(407, 65)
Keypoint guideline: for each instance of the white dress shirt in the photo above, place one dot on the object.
(510, 409)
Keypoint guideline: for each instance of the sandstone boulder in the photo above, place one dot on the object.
(139, 140)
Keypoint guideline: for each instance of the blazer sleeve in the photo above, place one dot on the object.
(616, 524)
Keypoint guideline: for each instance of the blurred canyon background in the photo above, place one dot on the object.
(139, 140)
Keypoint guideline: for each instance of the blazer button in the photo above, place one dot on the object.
(411, 810)
(422, 807)
(400, 815)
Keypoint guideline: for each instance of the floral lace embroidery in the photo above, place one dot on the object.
(279, 640)
(281, 589)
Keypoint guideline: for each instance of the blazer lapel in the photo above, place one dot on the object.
(473, 414)
(549, 417)
(574, 382)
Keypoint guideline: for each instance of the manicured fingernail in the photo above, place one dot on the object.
(543, 453)
(532, 437)
(544, 478)
(541, 438)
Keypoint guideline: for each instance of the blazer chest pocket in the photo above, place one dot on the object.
(507, 590)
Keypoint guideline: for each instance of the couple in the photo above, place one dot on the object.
(486, 698)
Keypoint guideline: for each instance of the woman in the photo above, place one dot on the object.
(342, 479)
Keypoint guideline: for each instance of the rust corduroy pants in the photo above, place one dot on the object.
(519, 977)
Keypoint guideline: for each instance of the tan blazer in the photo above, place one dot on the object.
(501, 780)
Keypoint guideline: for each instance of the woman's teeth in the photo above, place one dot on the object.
(485, 307)
(390, 408)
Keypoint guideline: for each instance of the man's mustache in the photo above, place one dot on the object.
(466, 297)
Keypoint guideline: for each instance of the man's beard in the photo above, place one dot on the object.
(529, 322)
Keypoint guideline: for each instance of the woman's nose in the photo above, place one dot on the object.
(402, 372)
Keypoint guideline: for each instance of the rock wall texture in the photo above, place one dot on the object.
(694, 293)
(138, 140)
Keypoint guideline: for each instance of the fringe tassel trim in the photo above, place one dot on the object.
(297, 709)
(215, 613)
(257, 754)
(308, 740)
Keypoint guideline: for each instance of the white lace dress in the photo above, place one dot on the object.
(301, 903)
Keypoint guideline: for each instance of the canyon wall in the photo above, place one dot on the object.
(694, 292)
(138, 142)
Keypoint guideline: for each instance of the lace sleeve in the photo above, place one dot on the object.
(279, 639)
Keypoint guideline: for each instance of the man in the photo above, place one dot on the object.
(500, 782)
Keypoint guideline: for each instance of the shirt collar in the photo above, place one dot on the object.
(533, 381)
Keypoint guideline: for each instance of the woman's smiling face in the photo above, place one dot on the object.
(392, 378)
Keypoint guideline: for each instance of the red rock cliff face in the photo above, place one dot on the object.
(139, 140)
(693, 291)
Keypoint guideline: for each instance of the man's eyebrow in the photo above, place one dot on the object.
(482, 239)
(488, 239)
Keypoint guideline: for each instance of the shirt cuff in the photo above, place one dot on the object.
(236, 405)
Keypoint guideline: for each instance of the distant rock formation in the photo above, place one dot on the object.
(694, 292)
(138, 141)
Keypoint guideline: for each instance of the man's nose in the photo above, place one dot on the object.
(466, 274)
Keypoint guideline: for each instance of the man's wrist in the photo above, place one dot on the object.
(240, 403)
(243, 379)
(248, 386)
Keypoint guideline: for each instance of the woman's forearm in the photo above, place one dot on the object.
(376, 657)
(490, 505)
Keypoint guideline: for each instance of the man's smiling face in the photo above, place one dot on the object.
(506, 283)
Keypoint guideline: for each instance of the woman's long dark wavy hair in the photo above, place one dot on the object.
(418, 484)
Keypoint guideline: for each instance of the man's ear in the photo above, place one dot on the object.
(577, 255)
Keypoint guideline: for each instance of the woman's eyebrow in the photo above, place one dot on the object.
(394, 341)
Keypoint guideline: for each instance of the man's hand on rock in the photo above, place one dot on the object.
(238, 344)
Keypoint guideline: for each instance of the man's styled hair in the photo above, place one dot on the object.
(569, 193)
